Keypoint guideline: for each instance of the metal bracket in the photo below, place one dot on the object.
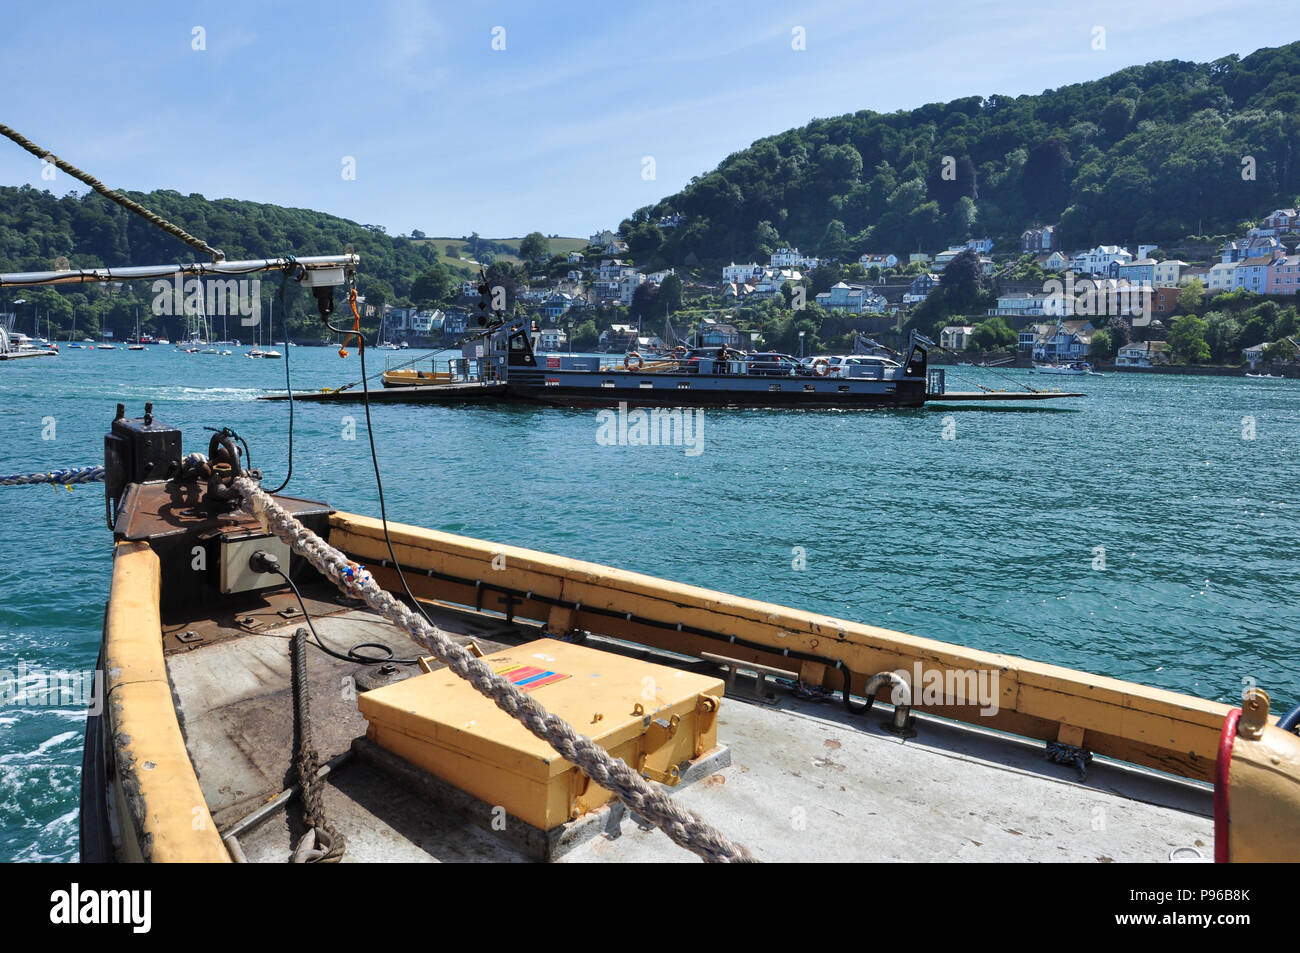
(761, 690)
(189, 636)
(671, 777)
(659, 731)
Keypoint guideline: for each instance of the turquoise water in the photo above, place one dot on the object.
(987, 539)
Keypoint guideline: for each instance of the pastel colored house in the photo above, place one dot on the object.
(1252, 274)
(1167, 273)
(1283, 276)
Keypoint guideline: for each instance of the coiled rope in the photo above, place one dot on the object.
(683, 827)
(62, 477)
(112, 195)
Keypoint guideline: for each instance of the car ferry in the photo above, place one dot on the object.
(719, 376)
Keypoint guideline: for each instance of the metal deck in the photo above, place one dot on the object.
(807, 781)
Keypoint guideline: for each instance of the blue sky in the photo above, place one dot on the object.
(449, 135)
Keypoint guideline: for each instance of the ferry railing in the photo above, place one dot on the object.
(934, 382)
(451, 370)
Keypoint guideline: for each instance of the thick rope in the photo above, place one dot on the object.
(112, 195)
(683, 827)
(63, 477)
(320, 843)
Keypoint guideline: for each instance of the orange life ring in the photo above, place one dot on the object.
(627, 362)
(821, 367)
(679, 352)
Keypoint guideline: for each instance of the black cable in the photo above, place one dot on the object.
(374, 455)
(299, 270)
(352, 654)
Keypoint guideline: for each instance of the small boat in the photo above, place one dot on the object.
(136, 347)
(108, 347)
(1072, 369)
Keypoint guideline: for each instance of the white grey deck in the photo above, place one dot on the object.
(808, 782)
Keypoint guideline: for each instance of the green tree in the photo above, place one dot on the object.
(1187, 338)
(1223, 335)
(433, 287)
(1189, 298)
(835, 241)
(992, 334)
(535, 248)
(670, 293)
(585, 336)
(378, 293)
(1101, 347)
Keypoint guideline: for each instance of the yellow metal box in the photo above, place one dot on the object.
(651, 716)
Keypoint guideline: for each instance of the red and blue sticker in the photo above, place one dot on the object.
(528, 677)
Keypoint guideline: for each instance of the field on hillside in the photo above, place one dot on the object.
(559, 246)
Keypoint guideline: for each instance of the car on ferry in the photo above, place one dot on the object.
(849, 365)
(775, 364)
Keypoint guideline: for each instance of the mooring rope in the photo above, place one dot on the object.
(113, 195)
(320, 843)
(683, 827)
(62, 477)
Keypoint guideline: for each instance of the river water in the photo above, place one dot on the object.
(1148, 531)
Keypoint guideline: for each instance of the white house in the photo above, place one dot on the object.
(871, 260)
(553, 339)
(947, 255)
(423, 322)
(791, 258)
(1221, 276)
(1146, 354)
(1018, 305)
(856, 299)
(1098, 261)
(955, 337)
(741, 273)
(1054, 261)
(627, 286)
